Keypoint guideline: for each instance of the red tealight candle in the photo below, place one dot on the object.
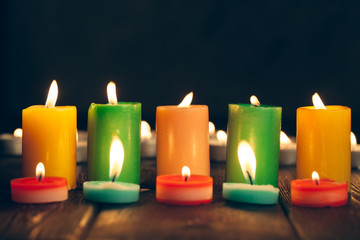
(184, 189)
(318, 192)
(39, 189)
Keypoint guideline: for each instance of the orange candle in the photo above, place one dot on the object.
(323, 143)
(182, 138)
(49, 136)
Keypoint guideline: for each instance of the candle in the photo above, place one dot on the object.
(10, 144)
(323, 144)
(185, 189)
(260, 126)
(49, 135)
(355, 152)
(182, 138)
(81, 146)
(212, 133)
(39, 189)
(218, 147)
(111, 191)
(287, 150)
(114, 119)
(148, 141)
(318, 192)
(245, 192)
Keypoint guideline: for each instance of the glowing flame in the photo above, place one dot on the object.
(284, 139)
(116, 157)
(145, 130)
(111, 93)
(318, 104)
(254, 101)
(353, 141)
(211, 128)
(52, 95)
(315, 177)
(187, 100)
(221, 136)
(185, 172)
(40, 171)
(247, 159)
(18, 132)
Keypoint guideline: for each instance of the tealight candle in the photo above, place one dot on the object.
(111, 191)
(148, 141)
(323, 145)
(218, 147)
(49, 134)
(355, 152)
(39, 189)
(287, 155)
(185, 189)
(120, 119)
(10, 144)
(249, 192)
(182, 138)
(212, 133)
(318, 192)
(260, 126)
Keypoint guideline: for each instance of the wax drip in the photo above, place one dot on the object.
(251, 182)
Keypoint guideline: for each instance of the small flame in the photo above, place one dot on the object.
(353, 141)
(211, 128)
(111, 93)
(40, 171)
(145, 130)
(254, 101)
(52, 95)
(247, 160)
(18, 133)
(318, 104)
(185, 172)
(187, 100)
(221, 136)
(284, 139)
(315, 177)
(116, 157)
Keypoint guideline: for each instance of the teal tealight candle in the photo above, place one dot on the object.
(111, 192)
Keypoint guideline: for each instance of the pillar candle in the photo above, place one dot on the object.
(49, 136)
(182, 138)
(260, 126)
(120, 119)
(323, 143)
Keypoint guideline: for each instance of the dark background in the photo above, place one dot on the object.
(158, 51)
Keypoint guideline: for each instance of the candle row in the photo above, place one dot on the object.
(183, 140)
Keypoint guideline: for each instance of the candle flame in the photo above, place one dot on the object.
(52, 95)
(211, 128)
(284, 139)
(145, 130)
(18, 132)
(186, 101)
(116, 157)
(221, 136)
(185, 172)
(315, 177)
(254, 101)
(40, 171)
(111, 93)
(247, 160)
(318, 104)
(353, 141)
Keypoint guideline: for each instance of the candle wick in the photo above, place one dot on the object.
(186, 178)
(317, 182)
(113, 179)
(40, 176)
(251, 182)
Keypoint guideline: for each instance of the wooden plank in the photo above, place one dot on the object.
(322, 223)
(217, 220)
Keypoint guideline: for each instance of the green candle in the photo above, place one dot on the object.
(260, 126)
(106, 121)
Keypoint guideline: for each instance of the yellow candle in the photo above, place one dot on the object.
(323, 143)
(49, 136)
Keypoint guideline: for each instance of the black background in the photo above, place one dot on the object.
(158, 51)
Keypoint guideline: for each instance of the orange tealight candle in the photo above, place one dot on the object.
(182, 138)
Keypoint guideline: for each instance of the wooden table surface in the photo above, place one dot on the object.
(77, 218)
